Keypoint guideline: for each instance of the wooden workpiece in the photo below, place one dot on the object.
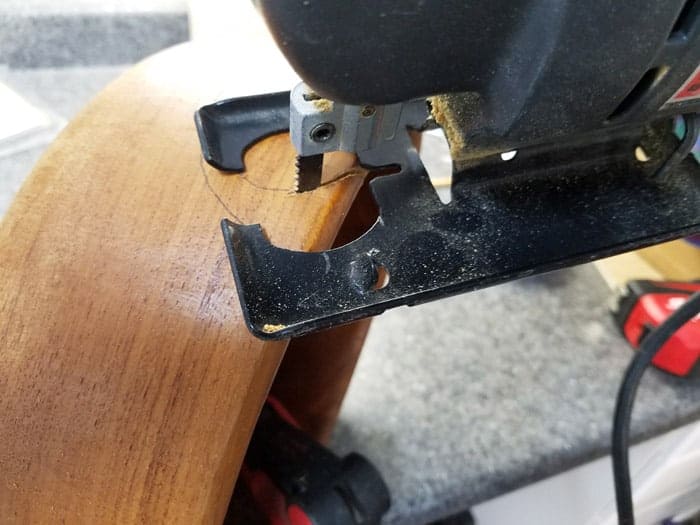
(129, 385)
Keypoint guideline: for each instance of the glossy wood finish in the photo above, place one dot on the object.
(315, 375)
(128, 384)
(317, 368)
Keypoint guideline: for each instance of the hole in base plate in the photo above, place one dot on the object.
(508, 155)
(382, 278)
(641, 155)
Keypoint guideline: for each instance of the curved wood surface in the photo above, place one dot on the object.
(128, 384)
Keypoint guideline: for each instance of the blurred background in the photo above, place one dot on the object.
(500, 400)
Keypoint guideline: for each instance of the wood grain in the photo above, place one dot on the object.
(316, 370)
(315, 374)
(128, 384)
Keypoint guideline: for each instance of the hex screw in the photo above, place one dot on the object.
(368, 111)
(322, 132)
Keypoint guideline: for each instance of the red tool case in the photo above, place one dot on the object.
(644, 306)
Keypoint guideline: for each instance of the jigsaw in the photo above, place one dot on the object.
(596, 100)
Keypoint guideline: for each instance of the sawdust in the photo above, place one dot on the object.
(460, 117)
(323, 105)
(272, 328)
(442, 112)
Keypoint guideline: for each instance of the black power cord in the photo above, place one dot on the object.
(625, 401)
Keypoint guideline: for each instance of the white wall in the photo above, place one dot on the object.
(235, 25)
(666, 483)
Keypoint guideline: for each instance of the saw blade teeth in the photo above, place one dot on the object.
(308, 172)
(297, 173)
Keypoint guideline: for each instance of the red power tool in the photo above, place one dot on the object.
(647, 304)
(290, 479)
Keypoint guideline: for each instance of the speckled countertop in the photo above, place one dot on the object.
(465, 399)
